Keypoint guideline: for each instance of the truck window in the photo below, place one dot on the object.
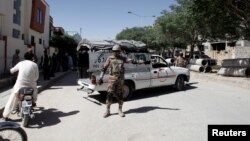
(158, 62)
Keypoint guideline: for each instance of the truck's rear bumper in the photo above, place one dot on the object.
(86, 85)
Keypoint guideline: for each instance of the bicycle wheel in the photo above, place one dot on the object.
(12, 134)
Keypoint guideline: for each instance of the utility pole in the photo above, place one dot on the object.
(140, 16)
(81, 32)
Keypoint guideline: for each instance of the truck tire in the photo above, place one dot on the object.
(179, 83)
(128, 90)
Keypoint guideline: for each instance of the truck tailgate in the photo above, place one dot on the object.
(86, 85)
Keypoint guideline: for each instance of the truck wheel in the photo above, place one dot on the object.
(127, 90)
(179, 83)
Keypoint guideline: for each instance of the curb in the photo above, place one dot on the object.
(242, 82)
(45, 86)
(48, 84)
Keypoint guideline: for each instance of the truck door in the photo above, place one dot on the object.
(140, 73)
(161, 74)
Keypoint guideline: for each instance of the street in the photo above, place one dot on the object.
(160, 114)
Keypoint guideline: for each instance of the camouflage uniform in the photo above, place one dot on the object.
(115, 82)
(116, 78)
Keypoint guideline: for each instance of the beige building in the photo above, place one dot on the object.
(23, 24)
(225, 50)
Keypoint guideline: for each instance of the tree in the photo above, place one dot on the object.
(144, 34)
(65, 43)
(170, 31)
(188, 29)
(191, 22)
(241, 9)
(223, 19)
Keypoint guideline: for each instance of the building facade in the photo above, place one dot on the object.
(23, 24)
(227, 50)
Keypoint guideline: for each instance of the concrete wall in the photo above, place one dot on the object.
(12, 45)
(230, 53)
(1, 56)
(219, 56)
(3, 8)
(241, 52)
(7, 20)
(243, 43)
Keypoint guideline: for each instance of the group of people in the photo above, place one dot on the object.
(55, 63)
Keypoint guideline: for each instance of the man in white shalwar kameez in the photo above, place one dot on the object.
(28, 75)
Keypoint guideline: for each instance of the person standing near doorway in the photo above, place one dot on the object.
(45, 64)
(83, 62)
(15, 58)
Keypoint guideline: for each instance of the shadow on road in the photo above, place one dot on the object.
(147, 109)
(93, 101)
(49, 117)
(139, 94)
(155, 92)
(192, 83)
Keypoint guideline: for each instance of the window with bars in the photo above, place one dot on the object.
(32, 40)
(17, 13)
(15, 33)
(40, 41)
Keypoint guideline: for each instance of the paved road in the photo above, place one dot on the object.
(161, 114)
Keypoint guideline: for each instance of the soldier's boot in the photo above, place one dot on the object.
(120, 111)
(107, 113)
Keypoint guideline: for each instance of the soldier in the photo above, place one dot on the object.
(115, 63)
(180, 61)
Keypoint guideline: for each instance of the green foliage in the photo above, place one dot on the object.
(191, 22)
(170, 30)
(217, 20)
(144, 34)
(65, 43)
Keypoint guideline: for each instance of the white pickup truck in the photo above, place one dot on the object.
(157, 73)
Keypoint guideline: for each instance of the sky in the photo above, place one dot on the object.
(104, 19)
